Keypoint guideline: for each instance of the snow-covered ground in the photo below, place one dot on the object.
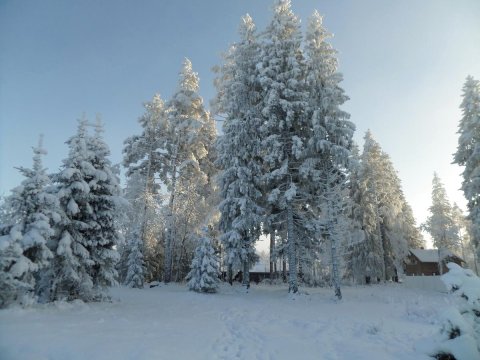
(169, 322)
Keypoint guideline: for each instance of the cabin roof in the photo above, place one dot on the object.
(431, 255)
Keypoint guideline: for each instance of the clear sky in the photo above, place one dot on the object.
(404, 64)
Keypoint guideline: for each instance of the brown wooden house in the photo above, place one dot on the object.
(425, 262)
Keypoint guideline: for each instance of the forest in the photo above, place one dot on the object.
(273, 158)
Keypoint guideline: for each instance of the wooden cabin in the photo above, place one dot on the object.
(425, 261)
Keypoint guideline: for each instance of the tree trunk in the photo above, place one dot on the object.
(272, 249)
(440, 262)
(382, 247)
(292, 266)
(230, 274)
(335, 270)
(170, 226)
(246, 274)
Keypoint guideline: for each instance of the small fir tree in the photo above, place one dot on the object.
(204, 273)
(135, 276)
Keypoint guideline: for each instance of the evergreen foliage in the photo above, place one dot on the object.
(204, 273)
(239, 151)
(189, 148)
(441, 224)
(30, 219)
(468, 153)
(85, 259)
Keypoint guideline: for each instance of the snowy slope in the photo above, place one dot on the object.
(169, 322)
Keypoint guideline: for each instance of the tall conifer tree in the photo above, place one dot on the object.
(468, 153)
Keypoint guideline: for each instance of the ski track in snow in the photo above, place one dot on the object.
(169, 322)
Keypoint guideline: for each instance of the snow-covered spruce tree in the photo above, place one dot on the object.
(467, 247)
(334, 222)
(284, 100)
(14, 266)
(410, 229)
(24, 251)
(460, 332)
(356, 237)
(371, 252)
(135, 265)
(143, 214)
(145, 158)
(381, 201)
(72, 265)
(239, 151)
(463, 225)
(104, 200)
(468, 153)
(440, 224)
(330, 137)
(190, 139)
(204, 273)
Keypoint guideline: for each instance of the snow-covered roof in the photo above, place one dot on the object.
(431, 255)
(261, 267)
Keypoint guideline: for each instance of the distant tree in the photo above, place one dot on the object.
(440, 224)
(379, 202)
(145, 158)
(204, 273)
(468, 153)
(189, 148)
(410, 230)
(466, 247)
(135, 272)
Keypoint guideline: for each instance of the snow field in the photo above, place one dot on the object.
(170, 322)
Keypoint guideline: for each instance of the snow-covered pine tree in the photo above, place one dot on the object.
(284, 100)
(204, 273)
(24, 251)
(334, 222)
(466, 247)
(72, 265)
(355, 252)
(410, 229)
(135, 265)
(239, 151)
(104, 200)
(381, 202)
(142, 213)
(14, 266)
(371, 253)
(440, 224)
(144, 158)
(190, 139)
(330, 137)
(468, 153)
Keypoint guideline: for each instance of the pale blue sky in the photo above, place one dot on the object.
(404, 63)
